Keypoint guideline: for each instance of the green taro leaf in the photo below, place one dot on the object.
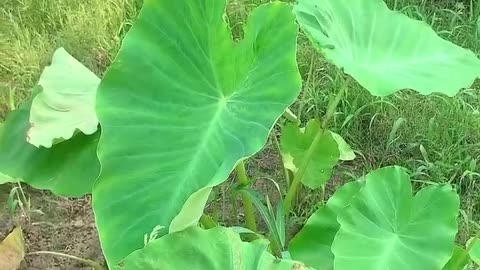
(386, 227)
(384, 50)
(295, 143)
(312, 245)
(66, 104)
(181, 105)
(215, 249)
(69, 168)
(475, 251)
(453, 263)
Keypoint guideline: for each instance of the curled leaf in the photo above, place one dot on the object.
(66, 104)
(68, 168)
(346, 152)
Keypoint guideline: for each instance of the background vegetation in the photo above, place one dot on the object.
(437, 138)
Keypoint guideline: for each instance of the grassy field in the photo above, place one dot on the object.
(437, 138)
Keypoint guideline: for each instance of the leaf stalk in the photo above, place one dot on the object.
(207, 222)
(250, 220)
(291, 116)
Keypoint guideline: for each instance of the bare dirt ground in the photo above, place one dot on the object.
(59, 225)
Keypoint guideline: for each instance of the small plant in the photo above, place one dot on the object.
(183, 105)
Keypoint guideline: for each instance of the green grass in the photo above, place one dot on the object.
(437, 138)
(91, 30)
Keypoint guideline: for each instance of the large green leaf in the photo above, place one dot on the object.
(69, 168)
(66, 104)
(312, 244)
(215, 249)
(295, 143)
(181, 105)
(386, 227)
(384, 50)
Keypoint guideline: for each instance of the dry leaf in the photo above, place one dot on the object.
(12, 250)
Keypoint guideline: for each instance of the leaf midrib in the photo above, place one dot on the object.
(192, 165)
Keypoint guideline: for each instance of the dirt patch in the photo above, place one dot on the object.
(59, 225)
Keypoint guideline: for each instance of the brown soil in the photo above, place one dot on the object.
(59, 225)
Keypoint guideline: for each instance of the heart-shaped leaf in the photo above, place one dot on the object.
(66, 104)
(312, 245)
(384, 50)
(12, 250)
(181, 105)
(68, 168)
(386, 227)
(295, 143)
(215, 249)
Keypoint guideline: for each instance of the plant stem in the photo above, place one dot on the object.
(90, 263)
(207, 221)
(26, 203)
(467, 251)
(291, 116)
(11, 99)
(334, 103)
(275, 248)
(286, 173)
(292, 191)
(307, 85)
(247, 201)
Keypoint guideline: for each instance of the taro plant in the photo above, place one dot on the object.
(183, 105)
